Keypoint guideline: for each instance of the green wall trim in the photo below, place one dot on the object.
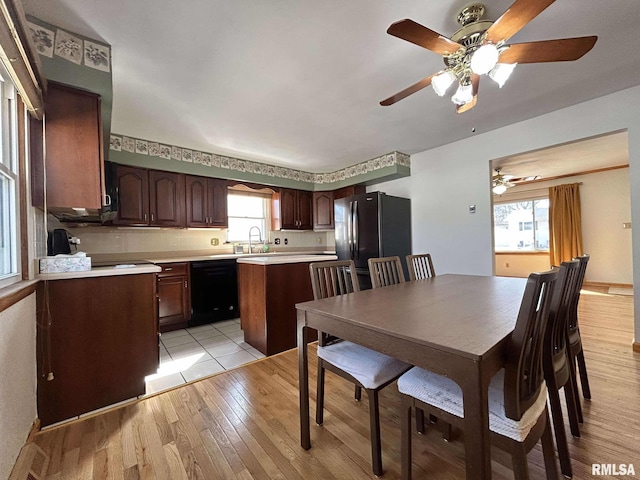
(144, 153)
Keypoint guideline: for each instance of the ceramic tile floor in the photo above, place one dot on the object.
(193, 353)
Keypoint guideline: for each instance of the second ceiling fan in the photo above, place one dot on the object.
(480, 47)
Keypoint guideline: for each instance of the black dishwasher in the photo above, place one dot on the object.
(214, 291)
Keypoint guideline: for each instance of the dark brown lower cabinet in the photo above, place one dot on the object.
(268, 294)
(97, 340)
(174, 297)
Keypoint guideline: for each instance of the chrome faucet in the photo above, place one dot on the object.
(251, 236)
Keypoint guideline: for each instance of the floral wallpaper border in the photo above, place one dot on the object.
(171, 152)
(70, 47)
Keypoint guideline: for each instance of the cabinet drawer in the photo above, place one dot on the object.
(172, 269)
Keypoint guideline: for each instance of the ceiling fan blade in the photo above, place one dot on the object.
(425, 82)
(475, 82)
(561, 50)
(422, 36)
(517, 16)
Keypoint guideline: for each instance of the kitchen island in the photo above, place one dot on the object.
(269, 287)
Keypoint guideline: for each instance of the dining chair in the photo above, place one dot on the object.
(574, 340)
(385, 271)
(365, 368)
(420, 266)
(518, 415)
(556, 363)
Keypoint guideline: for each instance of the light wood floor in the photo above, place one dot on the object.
(244, 423)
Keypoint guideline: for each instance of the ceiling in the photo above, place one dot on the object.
(298, 83)
(596, 153)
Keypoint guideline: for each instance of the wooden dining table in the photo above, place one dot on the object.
(454, 325)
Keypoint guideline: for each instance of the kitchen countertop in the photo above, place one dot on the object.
(147, 262)
(195, 256)
(279, 260)
(101, 272)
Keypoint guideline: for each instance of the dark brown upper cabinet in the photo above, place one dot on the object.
(74, 155)
(292, 210)
(206, 202)
(149, 197)
(323, 211)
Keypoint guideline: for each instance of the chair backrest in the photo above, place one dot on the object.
(523, 368)
(329, 279)
(332, 278)
(420, 266)
(554, 358)
(572, 323)
(385, 271)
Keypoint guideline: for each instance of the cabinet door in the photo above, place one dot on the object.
(218, 203)
(166, 199)
(197, 201)
(349, 191)
(288, 209)
(132, 187)
(305, 210)
(323, 211)
(173, 302)
(74, 158)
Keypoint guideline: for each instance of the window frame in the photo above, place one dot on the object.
(10, 217)
(533, 223)
(263, 222)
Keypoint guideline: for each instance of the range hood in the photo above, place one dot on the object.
(83, 215)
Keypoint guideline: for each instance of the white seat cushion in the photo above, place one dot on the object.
(445, 394)
(369, 367)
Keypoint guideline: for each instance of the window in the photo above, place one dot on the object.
(513, 225)
(9, 218)
(246, 210)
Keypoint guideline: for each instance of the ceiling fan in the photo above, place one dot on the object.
(480, 47)
(501, 181)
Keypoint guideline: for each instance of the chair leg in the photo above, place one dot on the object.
(446, 431)
(405, 438)
(574, 383)
(547, 449)
(374, 427)
(584, 379)
(419, 420)
(320, 393)
(358, 393)
(570, 396)
(561, 436)
(519, 460)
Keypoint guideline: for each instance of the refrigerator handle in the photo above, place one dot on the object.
(356, 239)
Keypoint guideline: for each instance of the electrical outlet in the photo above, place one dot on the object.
(215, 242)
(277, 241)
(286, 241)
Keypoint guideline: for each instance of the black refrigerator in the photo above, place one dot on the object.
(372, 225)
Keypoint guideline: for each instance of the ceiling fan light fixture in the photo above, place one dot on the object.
(463, 95)
(499, 189)
(501, 72)
(442, 82)
(484, 59)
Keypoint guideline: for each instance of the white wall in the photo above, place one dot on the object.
(445, 180)
(17, 379)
